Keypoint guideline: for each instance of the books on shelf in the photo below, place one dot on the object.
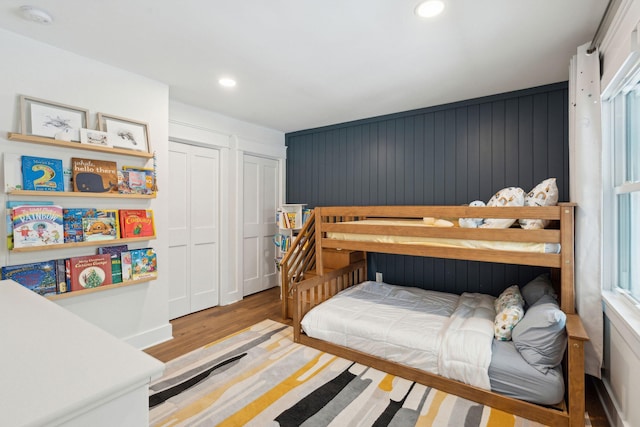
(90, 224)
(102, 225)
(42, 174)
(90, 271)
(116, 260)
(40, 277)
(37, 225)
(94, 176)
(136, 223)
(112, 265)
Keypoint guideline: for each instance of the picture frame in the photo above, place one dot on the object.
(125, 133)
(94, 137)
(40, 117)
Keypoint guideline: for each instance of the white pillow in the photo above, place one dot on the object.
(510, 196)
(472, 222)
(543, 194)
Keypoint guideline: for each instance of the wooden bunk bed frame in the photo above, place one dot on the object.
(327, 282)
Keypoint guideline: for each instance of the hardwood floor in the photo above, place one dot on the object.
(198, 329)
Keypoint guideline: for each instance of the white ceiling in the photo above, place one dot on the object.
(301, 64)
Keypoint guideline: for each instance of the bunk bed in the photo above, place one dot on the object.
(410, 230)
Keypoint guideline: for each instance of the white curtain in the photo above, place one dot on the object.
(585, 170)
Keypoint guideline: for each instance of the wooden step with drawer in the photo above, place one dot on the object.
(338, 258)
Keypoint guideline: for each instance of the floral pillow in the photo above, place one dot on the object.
(510, 196)
(543, 194)
(509, 311)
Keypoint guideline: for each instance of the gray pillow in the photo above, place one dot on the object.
(540, 336)
(536, 289)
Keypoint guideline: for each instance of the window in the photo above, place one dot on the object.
(622, 119)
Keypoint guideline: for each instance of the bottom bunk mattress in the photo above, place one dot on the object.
(441, 333)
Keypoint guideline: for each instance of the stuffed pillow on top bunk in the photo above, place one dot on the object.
(543, 194)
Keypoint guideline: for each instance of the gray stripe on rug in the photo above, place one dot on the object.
(173, 381)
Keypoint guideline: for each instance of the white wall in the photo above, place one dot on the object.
(137, 314)
(233, 138)
(621, 368)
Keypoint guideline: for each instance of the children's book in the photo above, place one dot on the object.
(37, 225)
(40, 277)
(125, 259)
(116, 260)
(12, 171)
(42, 174)
(137, 180)
(136, 223)
(90, 271)
(12, 204)
(72, 218)
(94, 176)
(61, 276)
(143, 263)
(123, 183)
(102, 225)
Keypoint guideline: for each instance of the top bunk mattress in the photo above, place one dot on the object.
(549, 248)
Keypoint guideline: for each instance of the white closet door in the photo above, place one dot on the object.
(260, 190)
(193, 228)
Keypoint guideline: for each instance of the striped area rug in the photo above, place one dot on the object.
(260, 377)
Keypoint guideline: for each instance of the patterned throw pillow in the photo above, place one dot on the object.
(543, 194)
(511, 196)
(509, 311)
(508, 297)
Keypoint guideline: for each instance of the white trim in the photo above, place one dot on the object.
(612, 410)
(624, 316)
(197, 135)
(261, 150)
(627, 187)
(151, 337)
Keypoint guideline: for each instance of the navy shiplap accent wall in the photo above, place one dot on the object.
(445, 155)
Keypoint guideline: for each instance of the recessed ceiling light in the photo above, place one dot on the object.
(429, 8)
(36, 15)
(227, 82)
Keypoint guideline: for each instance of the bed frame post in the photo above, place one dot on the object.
(567, 282)
(319, 237)
(577, 336)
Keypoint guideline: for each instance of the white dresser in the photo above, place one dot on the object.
(58, 370)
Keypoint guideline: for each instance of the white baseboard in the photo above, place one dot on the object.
(610, 407)
(151, 337)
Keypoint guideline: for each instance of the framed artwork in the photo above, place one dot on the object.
(40, 117)
(125, 133)
(94, 137)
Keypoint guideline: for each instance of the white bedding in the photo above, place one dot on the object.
(553, 248)
(441, 333)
